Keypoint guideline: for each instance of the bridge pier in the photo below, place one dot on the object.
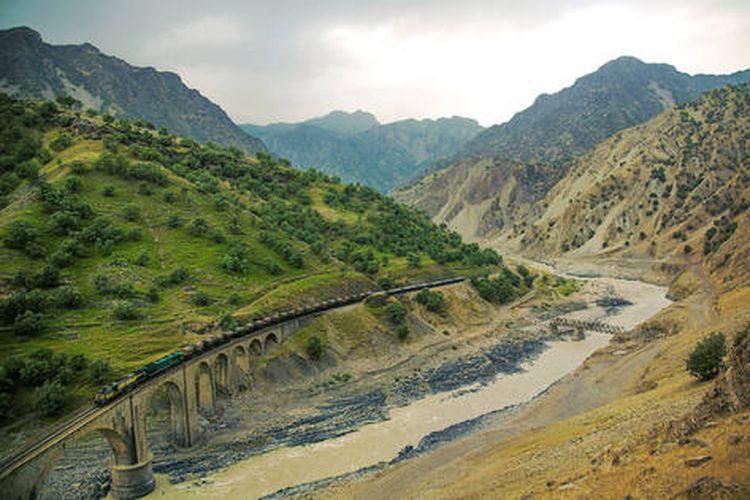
(134, 480)
(580, 334)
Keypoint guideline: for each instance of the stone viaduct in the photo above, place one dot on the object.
(192, 387)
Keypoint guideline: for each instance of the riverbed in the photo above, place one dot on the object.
(406, 426)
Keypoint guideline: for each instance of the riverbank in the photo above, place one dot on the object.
(441, 416)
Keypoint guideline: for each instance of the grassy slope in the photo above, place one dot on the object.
(175, 320)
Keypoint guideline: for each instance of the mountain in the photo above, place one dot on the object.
(31, 68)
(518, 162)
(674, 189)
(345, 123)
(356, 148)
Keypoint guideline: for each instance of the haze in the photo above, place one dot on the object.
(288, 61)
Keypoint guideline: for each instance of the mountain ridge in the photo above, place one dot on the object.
(30, 67)
(379, 155)
(517, 162)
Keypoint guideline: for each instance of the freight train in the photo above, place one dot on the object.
(127, 383)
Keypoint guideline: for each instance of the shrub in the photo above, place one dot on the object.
(201, 298)
(432, 301)
(740, 336)
(108, 191)
(125, 310)
(99, 371)
(153, 295)
(6, 406)
(68, 297)
(142, 259)
(386, 283)
(24, 236)
(78, 362)
(101, 283)
(47, 277)
(174, 221)
(131, 213)
(314, 347)
(402, 331)
(228, 322)
(234, 299)
(396, 312)
(28, 323)
(50, 398)
(705, 361)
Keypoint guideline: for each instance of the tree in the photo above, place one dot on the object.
(314, 347)
(201, 298)
(28, 323)
(396, 312)
(50, 398)
(99, 371)
(432, 301)
(125, 310)
(705, 361)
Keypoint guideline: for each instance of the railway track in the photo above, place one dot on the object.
(14, 461)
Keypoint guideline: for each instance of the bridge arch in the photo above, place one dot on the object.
(222, 374)
(270, 343)
(241, 367)
(255, 347)
(204, 388)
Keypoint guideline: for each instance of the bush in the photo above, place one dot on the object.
(153, 295)
(705, 361)
(432, 301)
(131, 213)
(201, 298)
(99, 371)
(228, 322)
(402, 331)
(142, 259)
(68, 297)
(50, 399)
(78, 362)
(28, 323)
(396, 311)
(108, 191)
(741, 336)
(314, 347)
(24, 236)
(125, 310)
(234, 299)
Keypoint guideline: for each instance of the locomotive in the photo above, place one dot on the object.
(128, 382)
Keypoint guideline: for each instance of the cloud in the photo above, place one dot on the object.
(286, 60)
(203, 33)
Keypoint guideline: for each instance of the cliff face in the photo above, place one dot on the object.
(31, 68)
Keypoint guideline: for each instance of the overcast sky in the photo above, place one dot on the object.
(288, 60)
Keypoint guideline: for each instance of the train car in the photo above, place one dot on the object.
(162, 364)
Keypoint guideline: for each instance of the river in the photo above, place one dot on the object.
(284, 467)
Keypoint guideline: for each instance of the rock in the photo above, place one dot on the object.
(710, 487)
(698, 461)
(550, 483)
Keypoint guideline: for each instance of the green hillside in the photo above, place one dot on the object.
(122, 243)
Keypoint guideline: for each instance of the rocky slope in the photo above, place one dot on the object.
(518, 162)
(355, 147)
(31, 68)
(676, 188)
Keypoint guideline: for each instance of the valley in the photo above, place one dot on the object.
(552, 306)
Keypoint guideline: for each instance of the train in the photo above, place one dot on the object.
(127, 383)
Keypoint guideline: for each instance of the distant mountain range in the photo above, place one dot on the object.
(511, 165)
(31, 68)
(357, 148)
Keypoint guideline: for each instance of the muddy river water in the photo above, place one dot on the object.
(267, 473)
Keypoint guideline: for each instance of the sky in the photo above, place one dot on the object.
(289, 60)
